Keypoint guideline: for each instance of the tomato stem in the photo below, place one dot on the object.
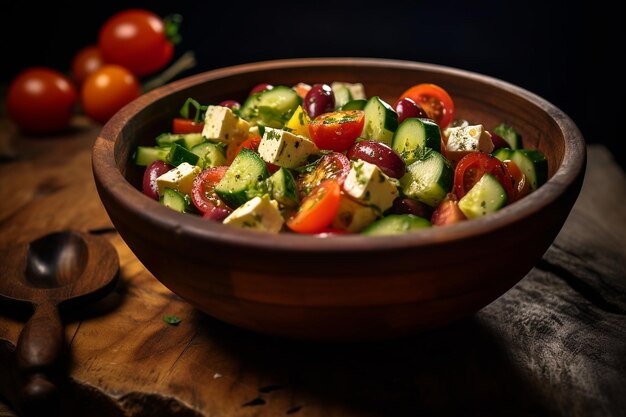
(184, 63)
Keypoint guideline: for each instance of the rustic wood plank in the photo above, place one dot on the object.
(553, 345)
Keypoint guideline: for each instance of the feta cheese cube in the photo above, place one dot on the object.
(260, 214)
(353, 216)
(180, 178)
(369, 185)
(285, 149)
(465, 139)
(220, 123)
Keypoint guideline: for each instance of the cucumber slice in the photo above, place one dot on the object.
(486, 196)
(503, 154)
(533, 164)
(381, 121)
(244, 179)
(342, 94)
(509, 134)
(178, 154)
(396, 224)
(283, 188)
(145, 155)
(211, 153)
(271, 107)
(428, 179)
(188, 140)
(358, 104)
(174, 200)
(414, 136)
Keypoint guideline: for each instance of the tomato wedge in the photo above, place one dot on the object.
(204, 197)
(318, 209)
(521, 186)
(331, 166)
(181, 126)
(447, 212)
(471, 169)
(338, 130)
(434, 100)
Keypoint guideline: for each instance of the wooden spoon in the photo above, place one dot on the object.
(63, 267)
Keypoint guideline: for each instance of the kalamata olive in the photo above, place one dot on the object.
(231, 104)
(319, 100)
(379, 154)
(152, 172)
(498, 142)
(406, 107)
(406, 205)
(260, 87)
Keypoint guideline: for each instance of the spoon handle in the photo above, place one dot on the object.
(39, 350)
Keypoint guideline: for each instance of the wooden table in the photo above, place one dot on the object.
(555, 344)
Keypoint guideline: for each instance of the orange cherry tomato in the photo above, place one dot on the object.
(181, 126)
(136, 39)
(338, 130)
(318, 209)
(108, 90)
(41, 100)
(87, 61)
(434, 100)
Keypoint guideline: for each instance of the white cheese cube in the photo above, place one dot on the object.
(353, 216)
(285, 149)
(220, 123)
(260, 214)
(369, 185)
(180, 178)
(467, 139)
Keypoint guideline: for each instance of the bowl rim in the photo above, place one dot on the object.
(114, 183)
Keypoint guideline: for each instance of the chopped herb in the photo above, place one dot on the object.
(172, 320)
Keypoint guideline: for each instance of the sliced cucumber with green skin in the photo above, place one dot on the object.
(179, 154)
(211, 153)
(283, 188)
(145, 155)
(413, 136)
(174, 200)
(358, 104)
(381, 121)
(503, 154)
(188, 140)
(428, 179)
(271, 108)
(244, 179)
(486, 196)
(509, 134)
(533, 164)
(342, 95)
(396, 224)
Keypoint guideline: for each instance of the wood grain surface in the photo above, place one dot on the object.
(554, 345)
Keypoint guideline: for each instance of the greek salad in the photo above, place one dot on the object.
(326, 160)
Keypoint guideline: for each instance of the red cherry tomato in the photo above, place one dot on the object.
(107, 90)
(434, 100)
(87, 61)
(447, 212)
(204, 196)
(136, 39)
(334, 166)
(41, 100)
(318, 210)
(338, 130)
(471, 169)
(181, 126)
(521, 186)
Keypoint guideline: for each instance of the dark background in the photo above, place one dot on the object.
(566, 52)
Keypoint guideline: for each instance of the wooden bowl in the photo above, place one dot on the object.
(350, 287)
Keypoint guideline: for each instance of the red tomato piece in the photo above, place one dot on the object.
(434, 100)
(521, 186)
(338, 130)
(136, 39)
(251, 143)
(204, 196)
(471, 169)
(318, 209)
(447, 212)
(41, 100)
(182, 126)
(331, 166)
